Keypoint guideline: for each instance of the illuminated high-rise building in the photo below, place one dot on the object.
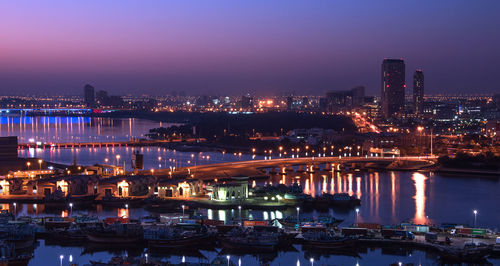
(393, 87)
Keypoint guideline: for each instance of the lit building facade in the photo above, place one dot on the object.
(393, 87)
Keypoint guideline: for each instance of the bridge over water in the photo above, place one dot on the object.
(264, 168)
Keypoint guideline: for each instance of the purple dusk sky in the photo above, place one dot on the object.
(258, 46)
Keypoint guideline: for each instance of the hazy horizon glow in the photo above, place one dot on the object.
(207, 47)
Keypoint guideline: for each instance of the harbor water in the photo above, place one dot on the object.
(386, 197)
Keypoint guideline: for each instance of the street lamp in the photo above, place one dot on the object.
(298, 210)
(71, 208)
(117, 159)
(15, 209)
(40, 163)
(183, 210)
(475, 218)
(357, 212)
(61, 257)
(228, 257)
(239, 210)
(312, 261)
(28, 164)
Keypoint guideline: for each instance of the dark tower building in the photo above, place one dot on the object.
(289, 103)
(102, 98)
(418, 91)
(393, 87)
(89, 96)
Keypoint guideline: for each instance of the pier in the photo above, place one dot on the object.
(129, 143)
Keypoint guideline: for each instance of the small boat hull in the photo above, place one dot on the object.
(177, 243)
(113, 239)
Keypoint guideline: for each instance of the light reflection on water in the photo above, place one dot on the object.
(392, 197)
(386, 198)
(169, 158)
(75, 129)
(420, 198)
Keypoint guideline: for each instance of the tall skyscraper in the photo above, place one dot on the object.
(89, 96)
(393, 87)
(418, 91)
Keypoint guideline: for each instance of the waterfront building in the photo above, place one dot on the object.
(237, 188)
(4, 187)
(418, 91)
(30, 173)
(89, 96)
(393, 87)
(167, 189)
(104, 170)
(68, 185)
(125, 186)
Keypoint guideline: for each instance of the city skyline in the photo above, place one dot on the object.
(236, 48)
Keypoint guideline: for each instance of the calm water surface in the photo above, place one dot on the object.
(74, 129)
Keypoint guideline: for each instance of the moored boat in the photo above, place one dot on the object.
(471, 253)
(9, 257)
(328, 240)
(253, 239)
(176, 236)
(20, 234)
(115, 233)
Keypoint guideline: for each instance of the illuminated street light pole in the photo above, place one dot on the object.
(28, 164)
(298, 219)
(475, 218)
(40, 163)
(71, 208)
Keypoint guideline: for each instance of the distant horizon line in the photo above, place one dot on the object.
(238, 95)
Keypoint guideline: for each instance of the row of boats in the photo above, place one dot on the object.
(238, 235)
